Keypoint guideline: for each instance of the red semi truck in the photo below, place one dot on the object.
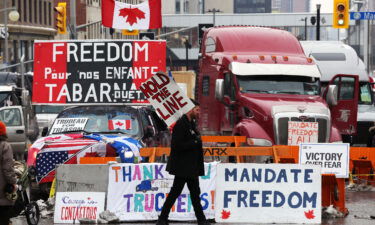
(257, 82)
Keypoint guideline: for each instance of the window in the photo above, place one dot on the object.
(30, 11)
(40, 12)
(49, 14)
(329, 56)
(346, 87)
(11, 117)
(24, 10)
(35, 11)
(178, 5)
(206, 86)
(45, 12)
(210, 45)
(229, 88)
(365, 96)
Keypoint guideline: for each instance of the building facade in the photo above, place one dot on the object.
(35, 22)
(290, 6)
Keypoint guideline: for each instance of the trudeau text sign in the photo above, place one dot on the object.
(105, 71)
(268, 193)
(333, 158)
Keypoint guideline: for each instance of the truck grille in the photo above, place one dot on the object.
(282, 128)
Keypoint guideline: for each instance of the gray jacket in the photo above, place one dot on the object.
(7, 174)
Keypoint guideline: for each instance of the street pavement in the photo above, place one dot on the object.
(361, 206)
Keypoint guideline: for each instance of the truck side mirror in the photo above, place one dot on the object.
(25, 97)
(44, 131)
(332, 94)
(219, 89)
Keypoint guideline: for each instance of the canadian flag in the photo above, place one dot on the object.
(119, 124)
(119, 15)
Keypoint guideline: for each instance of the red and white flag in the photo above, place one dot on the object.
(119, 15)
(119, 124)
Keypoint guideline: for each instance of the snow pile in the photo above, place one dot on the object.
(46, 208)
(360, 187)
(330, 212)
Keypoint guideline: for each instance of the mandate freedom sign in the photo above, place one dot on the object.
(138, 192)
(333, 158)
(268, 193)
(95, 71)
(166, 97)
(72, 206)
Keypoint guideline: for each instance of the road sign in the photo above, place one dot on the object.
(362, 15)
(4, 32)
(147, 36)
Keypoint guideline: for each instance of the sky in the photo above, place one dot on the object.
(326, 5)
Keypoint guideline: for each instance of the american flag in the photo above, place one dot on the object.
(59, 152)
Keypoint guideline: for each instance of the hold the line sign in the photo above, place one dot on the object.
(332, 157)
(166, 97)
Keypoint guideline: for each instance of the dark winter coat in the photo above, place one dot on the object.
(186, 158)
(7, 174)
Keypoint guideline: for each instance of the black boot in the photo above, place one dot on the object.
(162, 221)
(203, 222)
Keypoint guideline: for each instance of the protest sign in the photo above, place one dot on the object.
(302, 132)
(94, 71)
(169, 101)
(332, 157)
(138, 192)
(68, 124)
(72, 206)
(268, 193)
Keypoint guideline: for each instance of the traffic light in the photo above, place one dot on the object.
(341, 14)
(61, 17)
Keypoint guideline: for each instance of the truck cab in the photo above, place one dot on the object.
(345, 60)
(257, 82)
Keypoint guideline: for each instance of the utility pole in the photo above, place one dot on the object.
(187, 47)
(318, 22)
(214, 11)
(73, 20)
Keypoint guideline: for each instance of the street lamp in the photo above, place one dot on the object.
(214, 11)
(13, 16)
(318, 22)
(305, 19)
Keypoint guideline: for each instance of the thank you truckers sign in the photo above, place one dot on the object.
(166, 97)
(268, 193)
(104, 71)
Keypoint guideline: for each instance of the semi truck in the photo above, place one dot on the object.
(257, 82)
(345, 60)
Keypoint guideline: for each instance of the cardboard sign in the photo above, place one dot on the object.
(302, 132)
(166, 97)
(268, 193)
(68, 124)
(72, 206)
(93, 71)
(138, 192)
(333, 158)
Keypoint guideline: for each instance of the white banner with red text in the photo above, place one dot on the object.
(137, 192)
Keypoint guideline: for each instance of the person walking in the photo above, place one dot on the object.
(7, 177)
(186, 164)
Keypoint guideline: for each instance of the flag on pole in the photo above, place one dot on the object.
(119, 15)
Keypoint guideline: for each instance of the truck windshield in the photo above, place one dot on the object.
(365, 94)
(279, 84)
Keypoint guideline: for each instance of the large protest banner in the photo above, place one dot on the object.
(169, 101)
(72, 206)
(94, 71)
(268, 193)
(138, 191)
(332, 157)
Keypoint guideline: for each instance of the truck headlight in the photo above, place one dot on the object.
(258, 142)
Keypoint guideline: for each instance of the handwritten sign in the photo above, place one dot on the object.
(68, 124)
(72, 206)
(302, 132)
(137, 192)
(169, 101)
(332, 157)
(268, 193)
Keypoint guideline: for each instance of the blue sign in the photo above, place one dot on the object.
(362, 15)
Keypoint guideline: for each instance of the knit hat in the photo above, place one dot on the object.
(3, 129)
